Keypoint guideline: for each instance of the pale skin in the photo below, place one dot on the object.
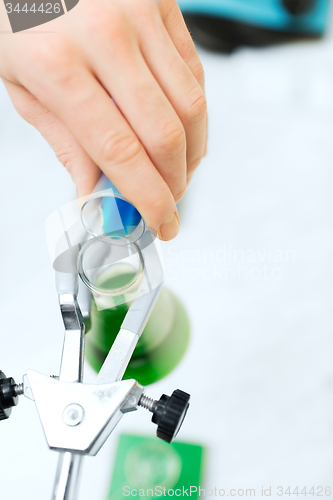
(138, 52)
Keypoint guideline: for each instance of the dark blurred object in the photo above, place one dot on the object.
(297, 7)
(223, 25)
(9, 393)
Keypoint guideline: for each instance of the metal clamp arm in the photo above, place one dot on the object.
(71, 370)
(122, 349)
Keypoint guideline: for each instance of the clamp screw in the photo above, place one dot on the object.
(19, 389)
(147, 402)
(168, 413)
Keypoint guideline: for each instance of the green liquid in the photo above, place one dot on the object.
(162, 344)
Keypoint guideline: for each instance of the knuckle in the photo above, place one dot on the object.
(196, 107)
(66, 158)
(93, 19)
(53, 52)
(110, 25)
(54, 60)
(64, 78)
(97, 20)
(170, 137)
(69, 78)
(65, 153)
(120, 148)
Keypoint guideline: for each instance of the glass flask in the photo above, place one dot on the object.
(112, 266)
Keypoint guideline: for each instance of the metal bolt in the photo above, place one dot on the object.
(147, 402)
(19, 389)
(73, 414)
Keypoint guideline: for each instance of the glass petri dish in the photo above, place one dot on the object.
(110, 271)
(111, 217)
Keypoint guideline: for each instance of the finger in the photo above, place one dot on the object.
(88, 112)
(180, 36)
(81, 167)
(147, 109)
(180, 86)
(175, 25)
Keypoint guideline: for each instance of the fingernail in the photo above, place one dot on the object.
(169, 228)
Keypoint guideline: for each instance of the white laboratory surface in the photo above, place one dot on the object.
(253, 264)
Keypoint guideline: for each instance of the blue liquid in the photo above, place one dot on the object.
(112, 209)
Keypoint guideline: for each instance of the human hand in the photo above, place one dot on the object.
(139, 53)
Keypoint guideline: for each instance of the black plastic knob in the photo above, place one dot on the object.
(169, 413)
(298, 7)
(8, 396)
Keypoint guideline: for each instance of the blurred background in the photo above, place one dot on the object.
(252, 264)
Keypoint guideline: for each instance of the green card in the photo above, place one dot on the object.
(150, 467)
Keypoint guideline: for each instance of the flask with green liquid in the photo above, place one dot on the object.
(116, 282)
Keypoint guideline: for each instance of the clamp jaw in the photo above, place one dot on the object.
(80, 417)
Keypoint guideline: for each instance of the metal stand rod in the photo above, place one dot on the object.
(67, 476)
